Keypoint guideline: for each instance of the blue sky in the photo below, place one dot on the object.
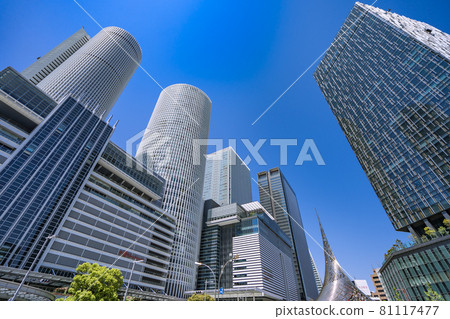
(243, 54)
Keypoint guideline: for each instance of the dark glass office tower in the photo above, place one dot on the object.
(39, 182)
(386, 79)
(279, 199)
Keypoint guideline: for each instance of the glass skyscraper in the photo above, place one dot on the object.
(38, 183)
(279, 199)
(227, 178)
(386, 79)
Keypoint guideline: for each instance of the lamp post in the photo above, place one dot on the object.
(29, 269)
(215, 279)
(206, 285)
(129, 279)
(223, 267)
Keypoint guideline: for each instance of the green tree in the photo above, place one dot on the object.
(424, 238)
(95, 283)
(430, 232)
(199, 297)
(431, 295)
(397, 296)
(442, 231)
(446, 223)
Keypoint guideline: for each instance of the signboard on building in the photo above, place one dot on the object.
(363, 286)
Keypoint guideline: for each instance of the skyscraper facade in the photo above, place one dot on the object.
(385, 78)
(39, 183)
(46, 64)
(169, 147)
(264, 265)
(61, 176)
(279, 199)
(210, 250)
(316, 274)
(22, 108)
(265, 258)
(97, 73)
(116, 220)
(227, 178)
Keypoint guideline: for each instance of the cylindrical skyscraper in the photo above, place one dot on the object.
(181, 116)
(98, 72)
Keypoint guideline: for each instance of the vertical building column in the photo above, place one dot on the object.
(427, 222)
(413, 232)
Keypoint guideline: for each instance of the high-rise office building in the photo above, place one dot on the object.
(41, 179)
(265, 258)
(219, 228)
(227, 178)
(116, 220)
(97, 73)
(210, 252)
(279, 199)
(61, 176)
(316, 274)
(47, 150)
(22, 108)
(170, 148)
(263, 270)
(46, 64)
(386, 79)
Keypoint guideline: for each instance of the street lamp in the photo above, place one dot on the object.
(215, 279)
(31, 267)
(206, 285)
(223, 267)
(129, 279)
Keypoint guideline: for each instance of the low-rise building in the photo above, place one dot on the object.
(379, 293)
(409, 270)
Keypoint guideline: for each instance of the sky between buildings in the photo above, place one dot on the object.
(243, 55)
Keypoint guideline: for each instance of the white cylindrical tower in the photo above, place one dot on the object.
(98, 72)
(181, 116)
